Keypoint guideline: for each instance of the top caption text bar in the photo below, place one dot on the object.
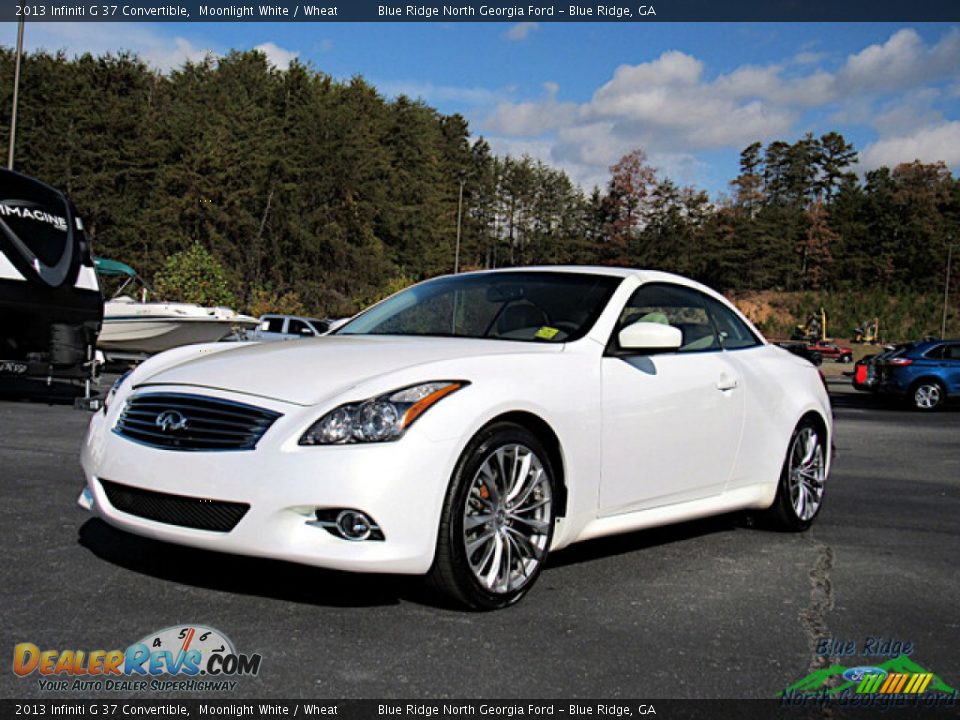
(484, 11)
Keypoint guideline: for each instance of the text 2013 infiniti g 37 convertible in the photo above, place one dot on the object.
(465, 427)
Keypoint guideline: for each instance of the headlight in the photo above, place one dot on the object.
(113, 390)
(378, 419)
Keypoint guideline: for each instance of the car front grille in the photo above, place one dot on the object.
(179, 421)
(191, 512)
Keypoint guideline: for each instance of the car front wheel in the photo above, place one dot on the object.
(497, 521)
(800, 491)
(927, 395)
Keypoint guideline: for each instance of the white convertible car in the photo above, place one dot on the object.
(465, 427)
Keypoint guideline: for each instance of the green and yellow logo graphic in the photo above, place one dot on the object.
(897, 676)
(894, 683)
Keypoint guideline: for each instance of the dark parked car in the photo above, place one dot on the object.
(866, 371)
(802, 350)
(926, 374)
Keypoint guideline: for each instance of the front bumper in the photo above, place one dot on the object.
(401, 485)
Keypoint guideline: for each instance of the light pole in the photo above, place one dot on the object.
(456, 256)
(946, 290)
(16, 90)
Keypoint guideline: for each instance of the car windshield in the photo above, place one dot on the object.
(547, 307)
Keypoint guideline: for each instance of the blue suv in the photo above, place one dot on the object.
(926, 374)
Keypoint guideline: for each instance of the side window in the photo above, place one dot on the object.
(734, 333)
(672, 305)
(298, 327)
(274, 325)
(938, 352)
(953, 352)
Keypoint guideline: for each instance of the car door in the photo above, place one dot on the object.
(950, 367)
(671, 421)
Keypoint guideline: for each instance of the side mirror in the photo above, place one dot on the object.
(650, 337)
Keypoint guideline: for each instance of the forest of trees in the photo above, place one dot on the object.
(324, 194)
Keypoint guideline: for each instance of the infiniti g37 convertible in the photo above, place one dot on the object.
(465, 427)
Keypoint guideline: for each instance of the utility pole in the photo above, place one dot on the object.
(16, 90)
(456, 257)
(946, 290)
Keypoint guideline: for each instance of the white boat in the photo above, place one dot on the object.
(152, 327)
(136, 328)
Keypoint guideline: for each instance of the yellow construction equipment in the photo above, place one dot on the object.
(814, 330)
(867, 332)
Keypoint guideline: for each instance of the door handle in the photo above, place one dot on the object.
(727, 383)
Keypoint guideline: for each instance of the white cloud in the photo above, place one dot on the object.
(537, 149)
(808, 57)
(158, 49)
(903, 60)
(665, 104)
(929, 144)
(429, 92)
(911, 111)
(279, 57)
(526, 119)
(672, 107)
(164, 52)
(521, 31)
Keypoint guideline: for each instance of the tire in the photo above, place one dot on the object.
(801, 487)
(516, 518)
(927, 395)
(846, 358)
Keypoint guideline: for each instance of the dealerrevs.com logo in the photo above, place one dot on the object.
(191, 658)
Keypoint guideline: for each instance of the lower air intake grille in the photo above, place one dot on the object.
(180, 421)
(197, 513)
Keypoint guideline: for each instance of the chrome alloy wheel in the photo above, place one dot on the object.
(927, 396)
(806, 473)
(506, 518)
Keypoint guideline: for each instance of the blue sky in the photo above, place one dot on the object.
(580, 95)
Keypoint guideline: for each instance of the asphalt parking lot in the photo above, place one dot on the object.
(707, 609)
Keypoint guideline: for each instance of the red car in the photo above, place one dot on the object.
(832, 350)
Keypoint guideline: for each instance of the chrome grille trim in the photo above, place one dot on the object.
(210, 424)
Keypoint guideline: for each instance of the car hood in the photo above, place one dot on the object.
(306, 372)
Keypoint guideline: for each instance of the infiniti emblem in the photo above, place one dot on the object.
(171, 421)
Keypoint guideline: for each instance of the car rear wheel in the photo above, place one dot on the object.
(927, 395)
(800, 492)
(497, 521)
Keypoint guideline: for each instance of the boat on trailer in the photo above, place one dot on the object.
(134, 328)
(51, 307)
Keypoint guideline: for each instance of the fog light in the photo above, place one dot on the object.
(347, 524)
(354, 525)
